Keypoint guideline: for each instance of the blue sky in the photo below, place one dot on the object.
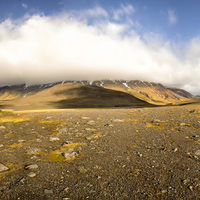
(150, 40)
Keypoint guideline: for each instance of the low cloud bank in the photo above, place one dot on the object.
(90, 45)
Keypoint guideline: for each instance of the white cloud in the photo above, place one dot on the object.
(123, 10)
(42, 49)
(172, 17)
(25, 6)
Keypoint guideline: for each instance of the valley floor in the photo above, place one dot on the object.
(143, 153)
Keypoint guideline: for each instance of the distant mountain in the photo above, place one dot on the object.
(102, 93)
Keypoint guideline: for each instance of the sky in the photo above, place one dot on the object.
(148, 40)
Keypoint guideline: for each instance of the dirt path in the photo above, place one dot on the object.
(150, 153)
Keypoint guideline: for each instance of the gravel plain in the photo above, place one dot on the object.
(143, 153)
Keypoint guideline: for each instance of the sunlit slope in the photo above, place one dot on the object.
(76, 95)
(153, 93)
(83, 94)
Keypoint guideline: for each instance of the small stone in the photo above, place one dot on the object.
(47, 191)
(164, 191)
(197, 152)
(21, 141)
(91, 122)
(34, 166)
(82, 169)
(65, 198)
(182, 124)
(34, 150)
(66, 189)
(155, 120)
(3, 168)
(191, 188)
(85, 117)
(54, 139)
(91, 137)
(1, 145)
(63, 131)
(2, 127)
(185, 181)
(32, 174)
(175, 149)
(118, 120)
(69, 153)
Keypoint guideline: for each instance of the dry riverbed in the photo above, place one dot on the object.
(146, 153)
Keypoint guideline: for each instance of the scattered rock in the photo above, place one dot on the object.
(67, 142)
(85, 117)
(91, 137)
(1, 145)
(32, 174)
(197, 152)
(54, 139)
(182, 124)
(176, 149)
(155, 121)
(118, 120)
(164, 191)
(47, 191)
(21, 141)
(3, 168)
(34, 150)
(65, 198)
(69, 153)
(63, 131)
(34, 166)
(82, 169)
(91, 122)
(2, 127)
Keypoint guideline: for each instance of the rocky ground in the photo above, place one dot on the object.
(145, 153)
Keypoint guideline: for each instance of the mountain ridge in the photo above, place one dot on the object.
(149, 93)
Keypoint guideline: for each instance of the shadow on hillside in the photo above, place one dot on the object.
(97, 97)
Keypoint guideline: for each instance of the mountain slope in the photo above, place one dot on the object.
(104, 93)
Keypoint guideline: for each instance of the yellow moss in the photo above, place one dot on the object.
(57, 155)
(100, 119)
(13, 119)
(49, 122)
(12, 135)
(11, 169)
(93, 129)
(154, 125)
(133, 146)
(56, 133)
(16, 145)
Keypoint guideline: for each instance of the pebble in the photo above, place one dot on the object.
(197, 152)
(62, 130)
(164, 191)
(3, 168)
(34, 166)
(21, 141)
(32, 174)
(1, 145)
(54, 139)
(175, 149)
(91, 137)
(85, 117)
(65, 198)
(91, 122)
(47, 191)
(82, 169)
(69, 153)
(118, 120)
(2, 127)
(34, 150)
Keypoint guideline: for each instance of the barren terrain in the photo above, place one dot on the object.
(143, 153)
